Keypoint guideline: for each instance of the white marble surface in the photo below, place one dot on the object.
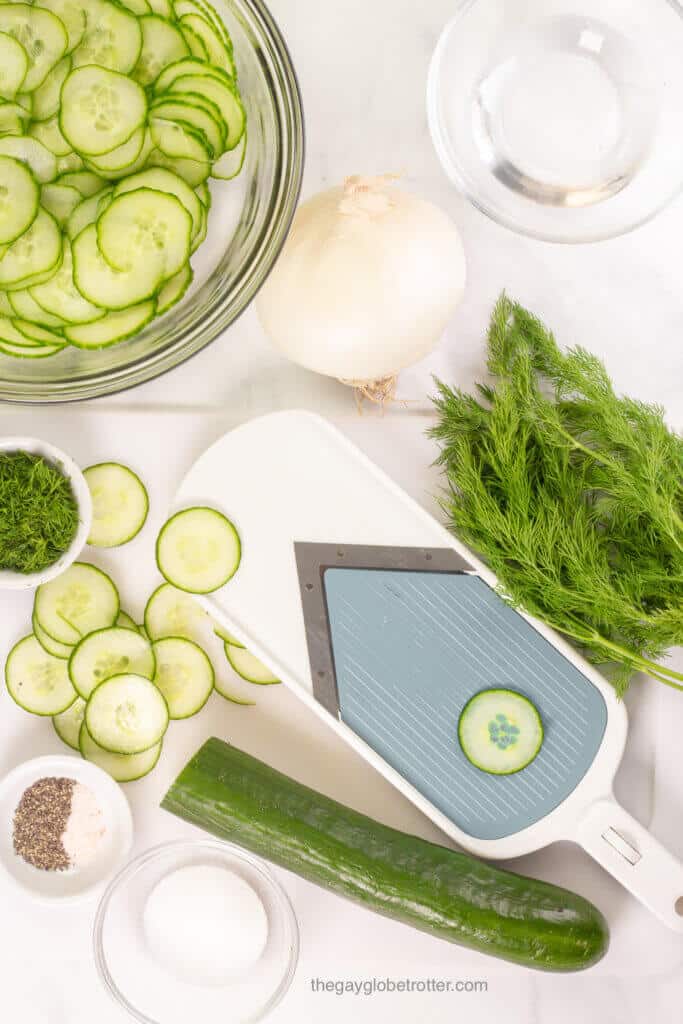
(362, 68)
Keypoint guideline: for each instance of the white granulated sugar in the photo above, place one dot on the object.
(85, 827)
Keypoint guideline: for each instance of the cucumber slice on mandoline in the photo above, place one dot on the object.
(120, 504)
(100, 109)
(109, 652)
(184, 675)
(124, 621)
(37, 681)
(76, 603)
(248, 666)
(68, 723)
(198, 550)
(53, 647)
(126, 714)
(171, 612)
(19, 199)
(121, 767)
(500, 731)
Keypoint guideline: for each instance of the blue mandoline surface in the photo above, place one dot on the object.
(411, 648)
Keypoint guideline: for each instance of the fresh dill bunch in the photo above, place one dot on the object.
(38, 512)
(572, 494)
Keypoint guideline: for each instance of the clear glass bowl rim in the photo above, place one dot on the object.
(192, 845)
(454, 173)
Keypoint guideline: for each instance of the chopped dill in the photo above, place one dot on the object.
(38, 512)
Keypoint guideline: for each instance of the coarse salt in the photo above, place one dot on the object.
(85, 827)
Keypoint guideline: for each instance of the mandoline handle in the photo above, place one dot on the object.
(629, 852)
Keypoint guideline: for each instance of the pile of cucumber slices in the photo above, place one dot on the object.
(113, 115)
(110, 686)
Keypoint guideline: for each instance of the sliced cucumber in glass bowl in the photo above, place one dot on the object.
(135, 221)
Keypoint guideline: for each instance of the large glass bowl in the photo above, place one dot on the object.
(249, 220)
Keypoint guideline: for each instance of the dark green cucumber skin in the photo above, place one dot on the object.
(447, 894)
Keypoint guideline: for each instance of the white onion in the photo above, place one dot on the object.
(366, 283)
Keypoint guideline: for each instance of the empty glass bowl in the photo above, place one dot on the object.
(145, 987)
(248, 223)
(561, 119)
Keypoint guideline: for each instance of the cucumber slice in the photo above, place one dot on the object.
(187, 66)
(68, 723)
(194, 172)
(124, 621)
(109, 652)
(226, 636)
(85, 182)
(184, 675)
(112, 39)
(100, 109)
(19, 199)
(178, 142)
(174, 289)
(60, 297)
(37, 681)
(6, 308)
(162, 44)
(76, 603)
(203, 193)
(53, 647)
(121, 767)
(72, 162)
(60, 201)
(35, 252)
(114, 289)
(42, 35)
(120, 504)
(35, 352)
(11, 335)
(500, 731)
(195, 44)
(46, 98)
(137, 165)
(145, 228)
(162, 7)
(37, 157)
(122, 157)
(198, 550)
(13, 65)
(139, 7)
(72, 15)
(87, 212)
(231, 162)
(25, 306)
(189, 109)
(36, 333)
(234, 690)
(112, 328)
(220, 90)
(219, 56)
(162, 180)
(49, 134)
(171, 612)
(248, 666)
(126, 714)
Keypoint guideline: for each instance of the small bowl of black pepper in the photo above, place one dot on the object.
(45, 512)
(66, 828)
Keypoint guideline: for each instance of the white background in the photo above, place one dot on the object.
(362, 68)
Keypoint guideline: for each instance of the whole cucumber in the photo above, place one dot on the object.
(442, 892)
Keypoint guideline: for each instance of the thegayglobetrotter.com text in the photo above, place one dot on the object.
(381, 986)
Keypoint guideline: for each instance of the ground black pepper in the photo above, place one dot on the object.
(40, 821)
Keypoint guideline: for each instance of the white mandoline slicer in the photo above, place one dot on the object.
(385, 625)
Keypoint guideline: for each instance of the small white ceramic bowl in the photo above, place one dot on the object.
(22, 581)
(74, 884)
